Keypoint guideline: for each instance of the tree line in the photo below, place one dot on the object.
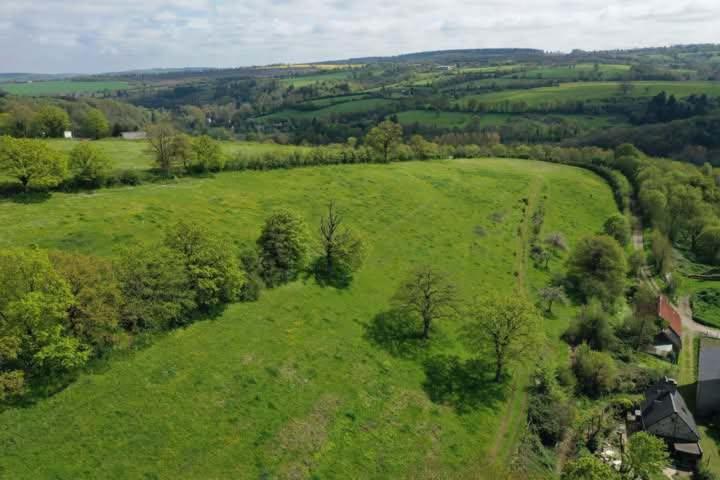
(59, 310)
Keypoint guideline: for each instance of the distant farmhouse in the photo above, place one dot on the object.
(668, 342)
(134, 135)
(665, 414)
(708, 387)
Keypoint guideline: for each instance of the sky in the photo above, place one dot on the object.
(78, 36)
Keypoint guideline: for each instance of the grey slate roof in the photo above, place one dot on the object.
(709, 364)
(663, 400)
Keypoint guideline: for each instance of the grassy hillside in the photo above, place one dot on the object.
(306, 382)
(62, 87)
(596, 91)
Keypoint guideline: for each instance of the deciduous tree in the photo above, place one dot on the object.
(89, 165)
(212, 266)
(31, 162)
(283, 247)
(597, 269)
(504, 327)
(384, 138)
(428, 294)
(646, 456)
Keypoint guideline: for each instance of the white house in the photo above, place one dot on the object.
(68, 134)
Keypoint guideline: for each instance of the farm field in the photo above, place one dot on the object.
(62, 87)
(565, 72)
(354, 106)
(305, 382)
(333, 75)
(595, 91)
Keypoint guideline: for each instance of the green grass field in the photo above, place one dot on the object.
(353, 106)
(62, 87)
(302, 384)
(609, 71)
(134, 155)
(594, 91)
(304, 80)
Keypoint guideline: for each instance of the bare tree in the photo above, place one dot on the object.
(342, 250)
(429, 294)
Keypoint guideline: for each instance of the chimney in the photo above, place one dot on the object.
(670, 385)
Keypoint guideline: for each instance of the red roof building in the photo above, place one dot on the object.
(667, 312)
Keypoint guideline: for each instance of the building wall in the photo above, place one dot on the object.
(708, 398)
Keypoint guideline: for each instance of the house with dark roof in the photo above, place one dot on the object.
(669, 340)
(665, 414)
(708, 387)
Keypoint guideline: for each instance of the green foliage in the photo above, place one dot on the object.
(343, 250)
(94, 314)
(157, 289)
(551, 295)
(95, 124)
(164, 145)
(618, 227)
(596, 372)
(589, 467)
(283, 246)
(384, 138)
(550, 412)
(212, 267)
(662, 252)
(31, 162)
(51, 121)
(592, 326)
(708, 245)
(505, 327)
(34, 303)
(706, 306)
(645, 457)
(207, 155)
(428, 295)
(597, 269)
(89, 165)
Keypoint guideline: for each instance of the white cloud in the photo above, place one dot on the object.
(104, 35)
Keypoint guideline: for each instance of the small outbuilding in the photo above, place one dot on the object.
(67, 134)
(133, 135)
(708, 387)
(669, 341)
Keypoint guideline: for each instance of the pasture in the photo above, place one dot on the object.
(589, 91)
(354, 106)
(308, 382)
(62, 87)
(135, 155)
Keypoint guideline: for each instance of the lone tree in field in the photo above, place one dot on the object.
(162, 138)
(384, 138)
(503, 326)
(31, 162)
(552, 294)
(428, 294)
(556, 243)
(283, 248)
(342, 250)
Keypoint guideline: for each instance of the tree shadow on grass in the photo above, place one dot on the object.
(29, 198)
(339, 277)
(464, 385)
(397, 333)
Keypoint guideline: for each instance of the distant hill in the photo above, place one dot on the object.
(481, 55)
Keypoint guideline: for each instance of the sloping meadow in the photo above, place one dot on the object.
(303, 383)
